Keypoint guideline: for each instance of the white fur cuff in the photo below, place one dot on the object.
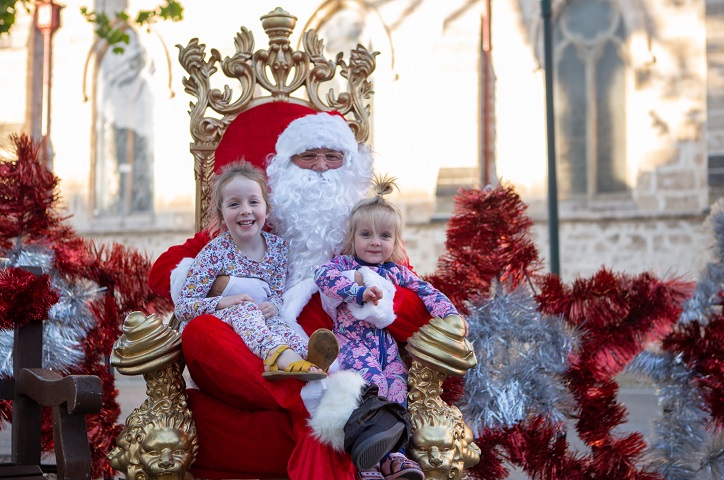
(381, 315)
(178, 277)
(330, 403)
(294, 300)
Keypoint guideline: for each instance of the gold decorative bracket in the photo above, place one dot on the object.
(159, 439)
(441, 442)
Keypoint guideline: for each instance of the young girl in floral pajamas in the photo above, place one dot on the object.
(257, 263)
(362, 281)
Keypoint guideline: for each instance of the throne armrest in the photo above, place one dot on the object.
(81, 394)
(71, 398)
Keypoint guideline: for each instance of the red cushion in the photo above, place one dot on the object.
(241, 416)
(235, 443)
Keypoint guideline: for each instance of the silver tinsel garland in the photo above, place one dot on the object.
(68, 322)
(521, 355)
(684, 447)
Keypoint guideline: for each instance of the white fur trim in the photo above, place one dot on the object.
(295, 299)
(178, 277)
(381, 315)
(321, 130)
(340, 397)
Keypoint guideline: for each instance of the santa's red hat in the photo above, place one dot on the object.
(282, 128)
(320, 130)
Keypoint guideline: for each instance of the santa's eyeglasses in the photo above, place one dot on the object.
(311, 157)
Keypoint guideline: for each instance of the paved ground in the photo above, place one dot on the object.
(640, 401)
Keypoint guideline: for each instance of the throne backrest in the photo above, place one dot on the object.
(278, 75)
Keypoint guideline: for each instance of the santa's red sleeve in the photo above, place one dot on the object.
(159, 279)
(410, 312)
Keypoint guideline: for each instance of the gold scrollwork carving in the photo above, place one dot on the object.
(214, 109)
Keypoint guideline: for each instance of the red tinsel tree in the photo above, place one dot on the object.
(616, 317)
(30, 218)
(488, 237)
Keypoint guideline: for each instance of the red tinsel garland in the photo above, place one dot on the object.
(24, 297)
(701, 348)
(618, 316)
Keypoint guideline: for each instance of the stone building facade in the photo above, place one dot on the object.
(635, 192)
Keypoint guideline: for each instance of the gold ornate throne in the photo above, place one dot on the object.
(442, 443)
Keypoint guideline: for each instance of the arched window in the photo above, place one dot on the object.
(124, 119)
(590, 97)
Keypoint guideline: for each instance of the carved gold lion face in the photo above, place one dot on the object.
(165, 453)
(433, 447)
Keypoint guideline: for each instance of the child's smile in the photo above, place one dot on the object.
(244, 209)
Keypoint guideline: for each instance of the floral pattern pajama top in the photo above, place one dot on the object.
(221, 257)
(363, 347)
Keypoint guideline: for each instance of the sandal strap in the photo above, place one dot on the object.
(299, 366)
(397, 462)
(373, 475)
(271, 359)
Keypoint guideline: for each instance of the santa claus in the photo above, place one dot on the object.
(251, 426)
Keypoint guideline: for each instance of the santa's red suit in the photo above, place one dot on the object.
(249, 427)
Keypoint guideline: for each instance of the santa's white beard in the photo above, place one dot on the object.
(309, 210)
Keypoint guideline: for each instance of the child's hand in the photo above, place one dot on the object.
(268, 309)
(227, 302)
(372, 294)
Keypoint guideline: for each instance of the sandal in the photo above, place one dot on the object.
(323, 348)
(397, 466)
(298, 369)
(369, 475)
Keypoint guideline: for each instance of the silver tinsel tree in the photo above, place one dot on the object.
(685, 446)
(521, 356)
(69, 320)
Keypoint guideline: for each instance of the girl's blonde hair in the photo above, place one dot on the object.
(379, 214)
(240, 168)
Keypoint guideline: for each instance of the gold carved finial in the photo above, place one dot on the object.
(146, 344)
(442, 345)
(159, 439)
(278, 25)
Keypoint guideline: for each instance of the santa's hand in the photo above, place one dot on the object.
(219, 285)
(227, 302)
(372, 294)
(268, 309)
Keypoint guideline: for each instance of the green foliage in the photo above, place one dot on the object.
(111, 28)
(8, 9)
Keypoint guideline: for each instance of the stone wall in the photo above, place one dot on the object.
(676, 245)
(715, 96)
